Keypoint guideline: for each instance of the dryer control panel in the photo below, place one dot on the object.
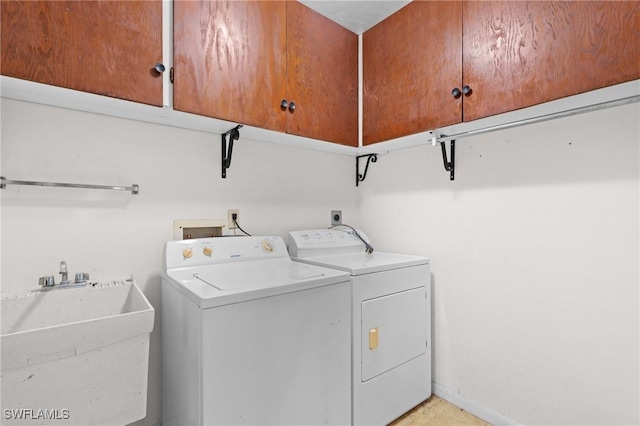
(207, 251)
(318, 242)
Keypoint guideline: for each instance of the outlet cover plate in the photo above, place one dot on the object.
(336, 217)
(230, 219)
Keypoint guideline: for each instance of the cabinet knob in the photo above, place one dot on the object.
(292, 106)
(159, 67)
(456, 92)
(284, 104)
(466, 90)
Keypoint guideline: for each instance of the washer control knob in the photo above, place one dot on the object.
(267, 246)
(207, 251)
(187, 253)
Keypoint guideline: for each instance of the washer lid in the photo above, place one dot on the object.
(225, 283)
(256, 275)
(363, 263)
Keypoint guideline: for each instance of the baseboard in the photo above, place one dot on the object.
(470, 406)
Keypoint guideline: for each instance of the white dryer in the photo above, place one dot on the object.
(251, 338)
(391, 347)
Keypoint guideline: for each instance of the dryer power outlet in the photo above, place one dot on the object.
(336, 217)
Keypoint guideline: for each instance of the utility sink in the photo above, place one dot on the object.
(76, 355)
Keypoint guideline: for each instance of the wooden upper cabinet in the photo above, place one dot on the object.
(411, 63)
(104, 47)
(239, 60)
(517, 54)
(322, 77)
(509, 54)
(230, 60)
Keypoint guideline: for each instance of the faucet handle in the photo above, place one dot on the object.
(47, 281)
(82, 277)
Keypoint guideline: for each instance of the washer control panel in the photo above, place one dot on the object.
(222, 249)
(318, 242)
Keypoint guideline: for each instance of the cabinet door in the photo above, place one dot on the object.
(322, 77)
(104, 47)
(230, 60)
(518, 54)
(411, 62)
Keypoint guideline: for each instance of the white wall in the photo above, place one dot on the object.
(112, 233)
(534, 246)
(535, 262)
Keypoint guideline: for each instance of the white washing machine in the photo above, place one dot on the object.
(391, 337)
(251, 338)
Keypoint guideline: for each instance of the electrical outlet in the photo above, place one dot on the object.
(230, 214)
(336, 217)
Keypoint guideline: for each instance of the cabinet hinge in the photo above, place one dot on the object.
(171, 75)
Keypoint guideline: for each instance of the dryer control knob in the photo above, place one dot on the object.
(267, 246)
(207, 251)
(187, 253)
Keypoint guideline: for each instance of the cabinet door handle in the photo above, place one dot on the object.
(456, 92)
(284, 104)
(292, 106)
(467, 90)
(159, 67)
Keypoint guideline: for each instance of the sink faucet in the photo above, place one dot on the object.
(64, 272)
(48, 281)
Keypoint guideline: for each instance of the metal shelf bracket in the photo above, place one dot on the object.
(449, 166)
(371, 158)
(234, 135)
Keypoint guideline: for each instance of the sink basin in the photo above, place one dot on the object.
(79, 353)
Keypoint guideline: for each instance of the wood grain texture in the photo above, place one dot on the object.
(230, 60)
(104, 47)
(518, 54)
(322, 69)
(411, 62)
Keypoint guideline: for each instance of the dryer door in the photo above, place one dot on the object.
(393, 331)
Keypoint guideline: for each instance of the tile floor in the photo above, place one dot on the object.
(438, 412)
